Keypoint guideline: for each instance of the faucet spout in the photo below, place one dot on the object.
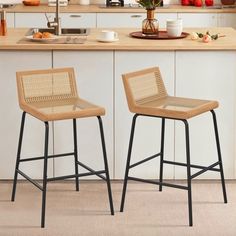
(57, 19)
(56, 24)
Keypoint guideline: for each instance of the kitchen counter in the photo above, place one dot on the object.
(11, 42)
(98, 9)
(189, 69)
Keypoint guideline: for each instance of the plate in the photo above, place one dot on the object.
(107, 40)
(30, 37)
(161, 35)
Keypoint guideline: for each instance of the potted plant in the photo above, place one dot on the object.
(150, 25)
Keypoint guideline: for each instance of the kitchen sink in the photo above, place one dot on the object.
(64, 31)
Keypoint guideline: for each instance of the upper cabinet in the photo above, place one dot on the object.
(32, 19)
(198, 19)
(116, 20)
(73, 20)
(129, 20)
(227, 20)
(68, 20)
(10, 19)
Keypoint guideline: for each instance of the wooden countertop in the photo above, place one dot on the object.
(96, 9)
(11, 42)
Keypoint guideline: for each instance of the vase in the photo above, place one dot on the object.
(150, 25)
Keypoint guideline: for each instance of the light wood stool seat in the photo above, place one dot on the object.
(147, 96)
(174, 107)
(63, 109)
(51, 95)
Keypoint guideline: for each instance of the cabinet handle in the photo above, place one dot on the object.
(136, 16)
(75, 16)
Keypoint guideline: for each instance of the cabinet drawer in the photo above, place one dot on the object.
(227, 20)
(129, 20)
(32, 19)
(198, 19)
(73, 20)
(68, 20)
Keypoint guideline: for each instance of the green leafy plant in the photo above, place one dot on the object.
(149, 4)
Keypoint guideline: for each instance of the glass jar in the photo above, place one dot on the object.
(150, 25)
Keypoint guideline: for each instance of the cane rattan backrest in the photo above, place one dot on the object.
(46, 85)
(143, 86)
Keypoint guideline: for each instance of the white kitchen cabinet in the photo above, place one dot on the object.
(130, 20)
(10, 20)
(68, 20)
(73, 20)
(94, 72)
(213, 79)
(148, 131)
(227, 20)
(33, 20)
(33, 141)
(198, 19)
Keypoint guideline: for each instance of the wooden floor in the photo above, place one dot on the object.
(148, 212)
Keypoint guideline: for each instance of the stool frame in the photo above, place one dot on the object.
(162, 161)
(45, 158)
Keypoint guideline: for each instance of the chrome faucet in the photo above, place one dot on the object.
(56, 24)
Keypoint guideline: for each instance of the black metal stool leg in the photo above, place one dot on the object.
(106, 165)
(188, 173)
(162, 152)
(45, 175)
(219, 155)
(128, 162)
(18, 156)
(76, 154)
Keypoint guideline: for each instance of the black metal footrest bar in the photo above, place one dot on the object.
(204, 170)
(158, 183)
(50, 156)
(73, 176)
(144, 160)
(91, 170)
(30, 180)
(192, 166)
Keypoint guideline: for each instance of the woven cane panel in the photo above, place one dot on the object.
(48, 87)
(147, 87)
(62, 106)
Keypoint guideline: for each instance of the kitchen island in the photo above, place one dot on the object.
(189, 68)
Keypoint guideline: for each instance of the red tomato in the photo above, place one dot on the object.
(209, 2)
(198, 3)
(185, 2)
(191, 2)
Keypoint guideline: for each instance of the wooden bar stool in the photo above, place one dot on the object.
(146, 96)
(51, 95)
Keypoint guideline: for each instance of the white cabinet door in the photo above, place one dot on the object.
(212, 79)
(227, 20)
(198, 19)
(32, 19)
(33, 140)
(73, 20)
(147, 134)
(129, 20)
(10, 20)
(94, 72)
